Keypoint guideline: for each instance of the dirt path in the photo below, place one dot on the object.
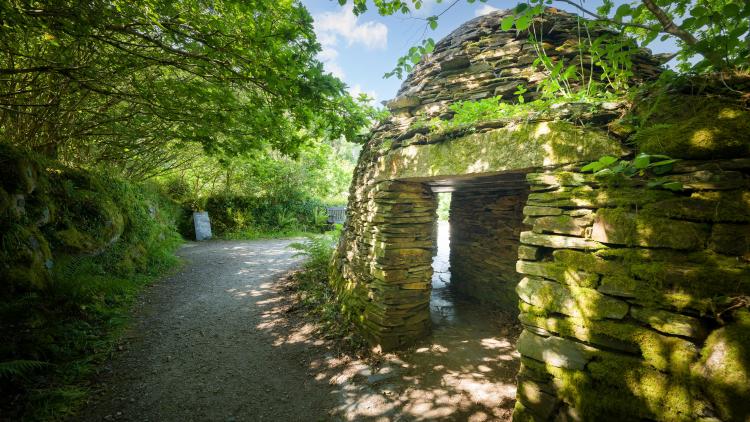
(223, 340)
(465, 371)
(212, 343)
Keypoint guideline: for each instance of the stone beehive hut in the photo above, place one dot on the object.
(633, 300)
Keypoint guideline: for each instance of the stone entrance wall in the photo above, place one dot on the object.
(628, 295)
(386, 266)
(485, 231)
(634, 300)
(382, 269)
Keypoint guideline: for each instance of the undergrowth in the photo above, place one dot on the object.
(59, 320)
(317, 295)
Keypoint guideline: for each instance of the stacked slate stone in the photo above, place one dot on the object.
(623, 293)
(478, 60)
(485, 230)
(392, 248)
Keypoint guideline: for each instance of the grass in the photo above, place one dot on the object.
(253, 234)
(73, 328)
(317, 296)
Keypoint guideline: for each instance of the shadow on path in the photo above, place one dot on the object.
(204, 345)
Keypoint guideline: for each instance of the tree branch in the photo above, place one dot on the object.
(668, 23)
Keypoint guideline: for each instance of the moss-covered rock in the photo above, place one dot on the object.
(725, 368)
(518, 146)
(619, 226)
(25, 258)
(693, 127)
(570, 300)
(621, 388)
(19, 173)
(659, 351)
(91, 222)
(712, 206)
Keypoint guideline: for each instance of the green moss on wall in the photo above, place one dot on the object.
(693, 127)
(725, 368)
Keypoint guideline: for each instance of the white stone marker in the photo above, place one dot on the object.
(202, 225)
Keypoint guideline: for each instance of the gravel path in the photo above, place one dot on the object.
(212, 343)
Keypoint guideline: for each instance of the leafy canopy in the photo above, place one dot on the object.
(130, 82)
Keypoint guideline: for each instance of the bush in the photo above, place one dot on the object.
(76, 246)
(232, 213)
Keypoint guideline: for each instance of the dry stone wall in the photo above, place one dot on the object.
(386, 265)
(391, 205)
(485, 230)
(622, 296)
(634, 300)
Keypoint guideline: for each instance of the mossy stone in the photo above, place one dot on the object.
(96, 223)
(693, 127)
(669, 322)
(555, 351)
(558, 272)
(569, 300)
(661, 352)
(26, 258)
(517, 146)
(619, 226)
(712, 206)
(725, 368)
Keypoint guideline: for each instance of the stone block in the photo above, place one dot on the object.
(528, 253)
(402, 102)
(587, 197)
(669, 322)
(540, 211)
(710, 180)
(712, 206)
(731, 239)
(539, 398)
(555, 351)
(558, 272)
(621, 227)
(559, 242)
(619, 285)
(563, 178)
(570, 300)
(562, 224)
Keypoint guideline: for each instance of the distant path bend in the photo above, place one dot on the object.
(209, 344)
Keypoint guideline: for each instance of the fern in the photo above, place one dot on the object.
(19, 368)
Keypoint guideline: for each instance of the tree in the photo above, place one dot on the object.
(131, 82)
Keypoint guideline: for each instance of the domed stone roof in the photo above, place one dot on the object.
(479, 60)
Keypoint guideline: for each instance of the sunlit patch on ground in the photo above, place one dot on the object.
(464, 371)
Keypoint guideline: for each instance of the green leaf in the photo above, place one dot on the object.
(593, 166)
(641, 161)
(507, 23)
(523, 22)
(623, 10)
(433, 22)
(673, 186)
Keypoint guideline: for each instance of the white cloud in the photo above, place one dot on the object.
(334, 68)
(343, 27)
(357, 89)
(331, 27)
(485, 9)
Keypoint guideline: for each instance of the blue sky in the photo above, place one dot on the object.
(360, 49)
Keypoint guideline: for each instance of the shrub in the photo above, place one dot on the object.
(77, 247)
